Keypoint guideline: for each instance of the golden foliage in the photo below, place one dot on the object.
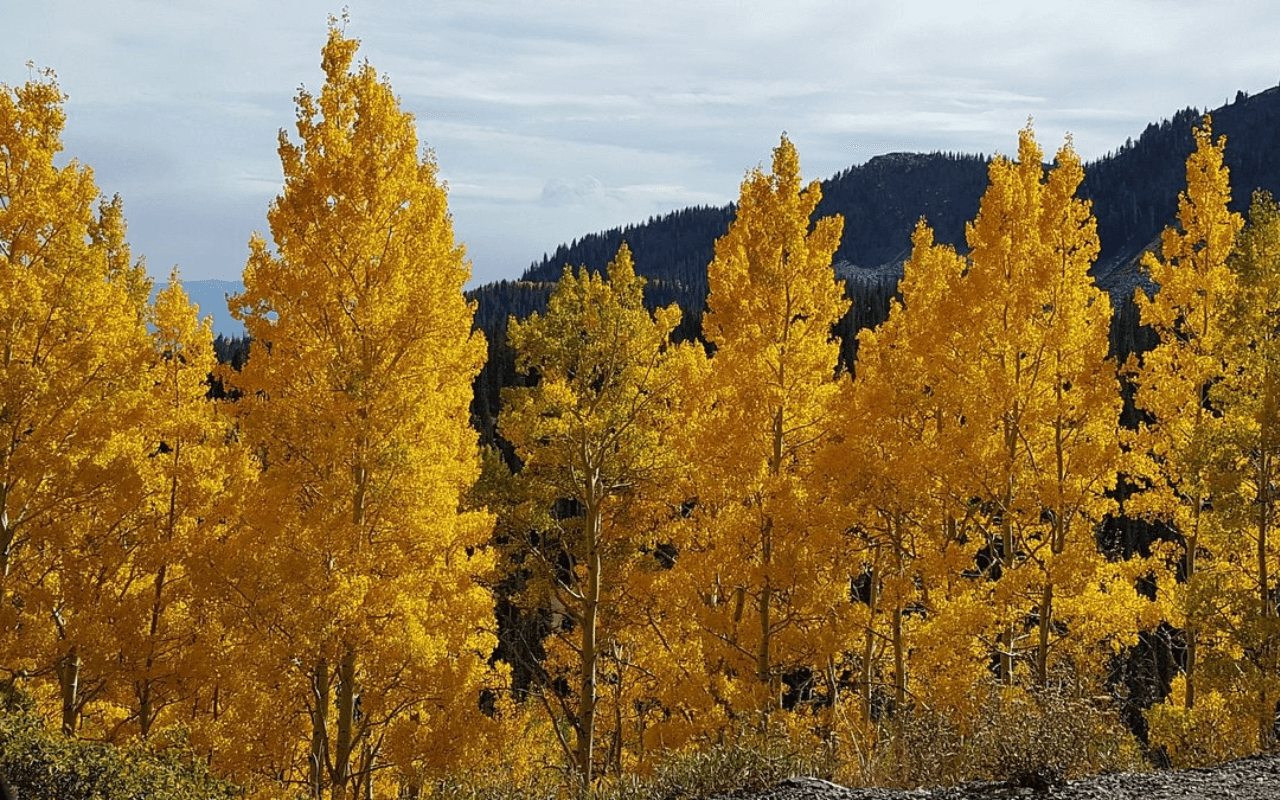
(593, 433)
(759, 580)
(741, 555)
(73, 356)
(354, 566)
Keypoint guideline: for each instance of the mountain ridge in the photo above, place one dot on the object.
(1133, 188)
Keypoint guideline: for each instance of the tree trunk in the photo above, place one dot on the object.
(1006, 536)
(1189, 697)
(899, 650)
(869, 643)
(146, 712)
(68, 670)
(8, 533)
(1267, 609)
(345, 745)
(764, 654)
(589, 655)
(1046, 623)
(1193, 542)
(319, 726)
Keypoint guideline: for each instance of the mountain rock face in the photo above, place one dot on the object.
(1252, 778)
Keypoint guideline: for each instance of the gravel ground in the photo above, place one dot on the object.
(1252, 778)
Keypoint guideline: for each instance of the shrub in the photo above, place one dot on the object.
(43, 765)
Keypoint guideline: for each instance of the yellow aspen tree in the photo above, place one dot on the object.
(884, 463)
(1188, 314)
(190, 469)
(73, 350)
(1245, 471)
(764, 412)
(593, 435)
(1040, 403)
(355, 564)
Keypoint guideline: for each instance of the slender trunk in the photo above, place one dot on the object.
(1193, 541)
(763, 657)
(1189, 697)
(833, 686)
(364, 777)
(1267, 609)
(899, 663)
(898, 540)
(1006, 537)
(68, 670)
(764, 653)
(8, 533)
(144, 704)
(1057, 546)
(869, 642)
(590, 655)
(345, 745)
(1046, 624)
(319, 726)
(146, 713)
(615, 754)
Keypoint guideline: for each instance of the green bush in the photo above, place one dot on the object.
(40, 764)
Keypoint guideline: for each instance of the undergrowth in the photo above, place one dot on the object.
(1026, 739)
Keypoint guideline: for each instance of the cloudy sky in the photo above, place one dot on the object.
(557, 118)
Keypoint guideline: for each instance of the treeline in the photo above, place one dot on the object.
(691, 530)
(1134, 192)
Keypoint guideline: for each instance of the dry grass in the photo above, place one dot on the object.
(1030, 739)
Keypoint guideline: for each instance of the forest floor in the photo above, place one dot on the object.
(1253, 778)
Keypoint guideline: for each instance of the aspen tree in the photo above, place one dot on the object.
(885, 464)
(1244, 471)
(1042, 403)
(593, 430)
(1188, 314)
(73, 348)
(356, 563)
(764, 411)
(188, 473)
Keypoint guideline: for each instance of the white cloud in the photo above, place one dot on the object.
(176, 105)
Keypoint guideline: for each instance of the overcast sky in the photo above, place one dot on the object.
(557, 118)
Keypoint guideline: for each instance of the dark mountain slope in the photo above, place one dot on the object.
(1134, 191)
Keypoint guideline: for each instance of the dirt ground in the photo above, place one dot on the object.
(1253, 778)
